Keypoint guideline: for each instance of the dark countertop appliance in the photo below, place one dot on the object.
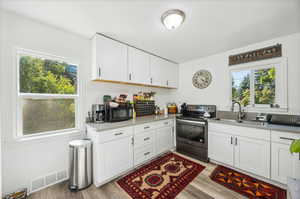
(117, 114)
(192, 130)
(291, 120)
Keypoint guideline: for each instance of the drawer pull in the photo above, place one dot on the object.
(116, 134)
(231, 140)
(166, 123)
(146, 127)
(147, 138)
(146, 153)
(283, 138)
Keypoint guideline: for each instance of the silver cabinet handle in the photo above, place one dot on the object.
(146, 153)
(231, 140)
(129, 76)
(132, 140)
(116, 134)
(236, 141)
(167, 82)
(151, 80)
(99, 71)
(146, 127)
(147, 138)
(284, 138)
(166, 123)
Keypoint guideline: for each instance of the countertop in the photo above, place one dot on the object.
(275, 127)
(139, 120)
(146, 119)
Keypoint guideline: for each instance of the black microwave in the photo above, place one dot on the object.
(117, 114)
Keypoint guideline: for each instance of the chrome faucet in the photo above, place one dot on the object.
(240, 113)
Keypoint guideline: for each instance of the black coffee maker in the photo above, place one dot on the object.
(98, 113)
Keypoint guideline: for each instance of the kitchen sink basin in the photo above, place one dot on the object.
(246, 122)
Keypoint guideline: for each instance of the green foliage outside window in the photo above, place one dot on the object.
(45, 76)
(241, 87)
(264, 86)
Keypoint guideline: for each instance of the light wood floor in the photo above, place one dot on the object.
(200, 188)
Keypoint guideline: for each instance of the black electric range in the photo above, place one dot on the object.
(192, 130)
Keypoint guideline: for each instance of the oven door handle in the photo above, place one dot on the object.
(191, 122)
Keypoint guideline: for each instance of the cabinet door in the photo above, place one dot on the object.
(172, 75)
(220, 147)
(159, 71)
(284, 164)
(164, 139)
(117, 157)
(110, 59)
(253, 155)
(138, 66)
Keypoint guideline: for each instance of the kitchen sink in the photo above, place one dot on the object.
(246, 122)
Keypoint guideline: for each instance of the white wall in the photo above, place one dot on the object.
(24, 161)
(218, 92)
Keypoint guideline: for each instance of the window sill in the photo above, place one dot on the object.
(42, 138)
(266, 109)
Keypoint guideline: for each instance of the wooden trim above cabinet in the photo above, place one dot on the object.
(129, 83)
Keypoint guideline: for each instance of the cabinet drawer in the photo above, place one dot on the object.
(255, 133)
(166, 123)
(143, 154)
(284, 137)
(144, 127)
(143, 139)
(114, 134)
(152, 125)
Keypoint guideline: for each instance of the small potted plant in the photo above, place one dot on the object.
(294, 184)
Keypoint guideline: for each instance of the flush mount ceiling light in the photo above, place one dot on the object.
(172, 19)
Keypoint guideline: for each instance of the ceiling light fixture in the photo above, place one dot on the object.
(172, 19)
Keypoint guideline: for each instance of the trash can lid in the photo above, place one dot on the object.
(80, 143)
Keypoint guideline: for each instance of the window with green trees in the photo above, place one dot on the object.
(47, 94)
(253, 87)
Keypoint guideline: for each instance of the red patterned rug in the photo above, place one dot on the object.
(246, 185)
(162, 178)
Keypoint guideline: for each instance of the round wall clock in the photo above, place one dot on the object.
(202, 79)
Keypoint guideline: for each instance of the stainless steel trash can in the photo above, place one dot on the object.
(80, 164)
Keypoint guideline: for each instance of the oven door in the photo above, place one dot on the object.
(192, 132)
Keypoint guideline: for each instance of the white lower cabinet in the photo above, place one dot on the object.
(117, 151)
(220, 147)
(284, 164)
(117, 156)
(164, 139)
(252, 155)
(233, 148)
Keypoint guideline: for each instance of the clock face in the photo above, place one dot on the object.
(202, 79)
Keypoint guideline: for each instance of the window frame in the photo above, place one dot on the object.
(281, 69)
(20, 96)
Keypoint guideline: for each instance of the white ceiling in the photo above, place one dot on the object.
(211, 26)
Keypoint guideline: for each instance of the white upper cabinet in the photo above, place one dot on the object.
(118, 62)
(156, 65)
(163, 72)
(172, 75)
(138, 66)
(109, 59)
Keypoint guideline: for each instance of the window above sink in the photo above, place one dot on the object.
(260, 86)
